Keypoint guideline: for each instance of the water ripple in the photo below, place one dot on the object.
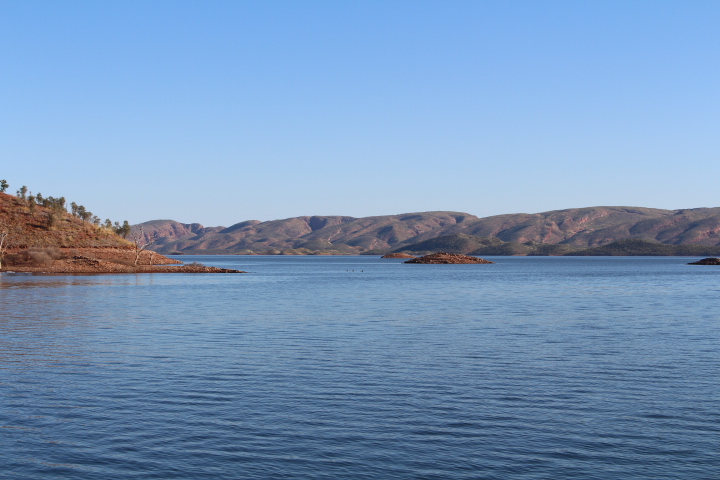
(540, 368)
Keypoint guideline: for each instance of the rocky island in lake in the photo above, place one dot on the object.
(707, 261)
(448, 258)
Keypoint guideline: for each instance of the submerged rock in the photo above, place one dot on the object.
(707, 261)
(447, 258)
(398, 255)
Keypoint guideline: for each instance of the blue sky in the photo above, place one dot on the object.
(222, 111)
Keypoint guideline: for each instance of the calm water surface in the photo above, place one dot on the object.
(361, 368)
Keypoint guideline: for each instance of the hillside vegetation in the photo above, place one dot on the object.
(34, 225)
(37, 234)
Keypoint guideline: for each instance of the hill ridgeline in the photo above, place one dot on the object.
(556, 232)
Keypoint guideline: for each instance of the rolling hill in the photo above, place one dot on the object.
(570, 229)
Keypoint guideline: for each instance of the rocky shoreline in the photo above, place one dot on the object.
(98, 260)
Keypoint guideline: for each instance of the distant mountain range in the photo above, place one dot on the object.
(570, 230)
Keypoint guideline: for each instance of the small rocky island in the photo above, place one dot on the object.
(398, 255)
(448, 258)
(707, 261)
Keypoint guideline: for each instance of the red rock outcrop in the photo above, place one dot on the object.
(448, 258)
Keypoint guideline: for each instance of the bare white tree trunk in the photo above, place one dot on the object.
(137, 239)
(3, 245)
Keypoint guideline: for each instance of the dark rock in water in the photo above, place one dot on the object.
(707, 261)
(447, 258)
(398, 255)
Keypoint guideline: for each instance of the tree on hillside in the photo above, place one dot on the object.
(56, 204)
(32, 203)
(3, 185)
(22, 192)
(83, 213)
(123, 229)
(49, 202)
(80, 211)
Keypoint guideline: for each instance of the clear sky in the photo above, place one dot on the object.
(222, 111)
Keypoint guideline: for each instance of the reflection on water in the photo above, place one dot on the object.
(355, 367)
(50, 280)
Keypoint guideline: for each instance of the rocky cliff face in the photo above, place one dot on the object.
(580, 227)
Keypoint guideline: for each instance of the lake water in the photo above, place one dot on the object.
(362, 368)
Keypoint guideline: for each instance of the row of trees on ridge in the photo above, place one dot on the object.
(59, 205)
